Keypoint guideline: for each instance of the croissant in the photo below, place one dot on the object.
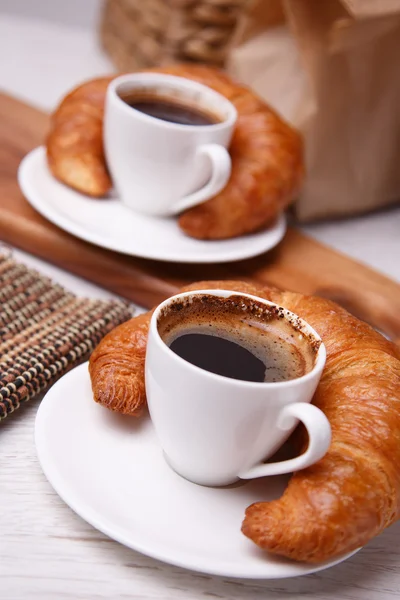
(116, 367)
(74, 144)
(267, 156)
(353, 493)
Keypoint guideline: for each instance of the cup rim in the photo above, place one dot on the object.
(112, 90)
(316, 371)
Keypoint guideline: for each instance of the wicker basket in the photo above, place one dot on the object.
(145, 33)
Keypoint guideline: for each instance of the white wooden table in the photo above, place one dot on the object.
(46, 551)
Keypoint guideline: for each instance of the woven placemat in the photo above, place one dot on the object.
(44, 331)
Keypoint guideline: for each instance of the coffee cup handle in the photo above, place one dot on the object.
(319, 433)
(221, 167)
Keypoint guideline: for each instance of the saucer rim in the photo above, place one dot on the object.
(84, 511)
(36, 157)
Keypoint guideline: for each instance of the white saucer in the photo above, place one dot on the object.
(110, 224)
(110, 470)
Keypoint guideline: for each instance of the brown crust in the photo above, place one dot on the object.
(75, 141)
(116, 367)
(353, 493)
(267, 156)
(350, 495)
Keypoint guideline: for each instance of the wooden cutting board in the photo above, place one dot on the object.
(298, 263)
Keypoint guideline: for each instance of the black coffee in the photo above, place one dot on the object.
(170, 110)
(219, 355)
(237, 338)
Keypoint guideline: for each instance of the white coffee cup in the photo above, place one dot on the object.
(214, 429)
(161, 168)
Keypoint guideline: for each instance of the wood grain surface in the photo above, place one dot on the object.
(298, 263)
(46, 551)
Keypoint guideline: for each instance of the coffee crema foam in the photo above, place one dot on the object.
(270, 333)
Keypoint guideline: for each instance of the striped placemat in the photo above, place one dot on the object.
(44, 331)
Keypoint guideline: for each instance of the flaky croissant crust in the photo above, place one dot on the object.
(350, 495)
(267, 156)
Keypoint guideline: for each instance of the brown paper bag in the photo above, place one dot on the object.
(332, 69)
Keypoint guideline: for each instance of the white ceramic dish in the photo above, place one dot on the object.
(110, 470)
(110, 224)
